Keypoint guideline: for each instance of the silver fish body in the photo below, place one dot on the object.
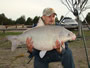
(43, 37)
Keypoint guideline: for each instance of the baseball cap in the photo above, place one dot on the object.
(48, 11)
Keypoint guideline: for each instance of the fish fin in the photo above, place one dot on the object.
(62, 47)
(40, 23)
(42, 54)
(15, 42)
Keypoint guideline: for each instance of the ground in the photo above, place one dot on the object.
(19, 58)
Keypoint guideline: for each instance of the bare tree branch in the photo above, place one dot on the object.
(64, 2)
(73, 5)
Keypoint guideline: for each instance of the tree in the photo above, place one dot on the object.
(88, 18)
(21, 20)
(35, 20)
(2, 19)
(10, 22)
(29, 21)
(56, 20)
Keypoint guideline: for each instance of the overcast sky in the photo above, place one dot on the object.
(30, 8)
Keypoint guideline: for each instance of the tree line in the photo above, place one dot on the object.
(29, 21)
(21, 20)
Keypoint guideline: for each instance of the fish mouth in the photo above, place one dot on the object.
(74, 37)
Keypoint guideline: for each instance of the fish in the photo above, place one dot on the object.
(43, 37)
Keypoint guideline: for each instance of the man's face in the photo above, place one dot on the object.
(49, 19)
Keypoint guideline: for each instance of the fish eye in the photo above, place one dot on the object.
(69, 34)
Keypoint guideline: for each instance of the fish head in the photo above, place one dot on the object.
(71, 36)
(66, 36)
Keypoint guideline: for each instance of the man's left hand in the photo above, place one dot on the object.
(59, 46)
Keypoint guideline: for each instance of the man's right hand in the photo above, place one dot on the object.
(29, 44)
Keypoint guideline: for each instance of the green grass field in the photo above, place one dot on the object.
(19, 58)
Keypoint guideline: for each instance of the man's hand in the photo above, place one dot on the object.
(59, 46)
(29, 44)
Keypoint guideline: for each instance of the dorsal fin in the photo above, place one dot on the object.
(40, 23)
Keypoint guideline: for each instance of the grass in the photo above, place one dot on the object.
(9, 33)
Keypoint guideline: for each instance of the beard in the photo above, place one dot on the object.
(51, 22)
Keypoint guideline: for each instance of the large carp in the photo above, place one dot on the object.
(43, 37)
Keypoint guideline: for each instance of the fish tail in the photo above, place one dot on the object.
(15, 42)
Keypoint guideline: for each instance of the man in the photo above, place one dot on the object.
(59, 52)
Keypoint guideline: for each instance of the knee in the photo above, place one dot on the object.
(68, 52)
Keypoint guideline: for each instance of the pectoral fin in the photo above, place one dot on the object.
(62, 47)
(42, 54)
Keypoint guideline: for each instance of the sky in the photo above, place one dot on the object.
(30, 8)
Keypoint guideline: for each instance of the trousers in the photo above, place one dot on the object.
(53, 56)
